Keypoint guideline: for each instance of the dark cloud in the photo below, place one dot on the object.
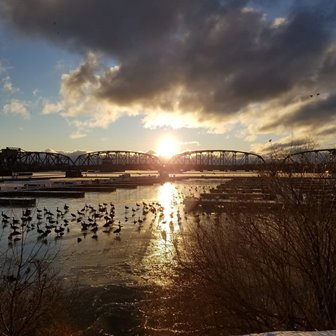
(318, 112)
(108, 25)
(217, 56)
(328, 131)
(286, 146)
(315, 114)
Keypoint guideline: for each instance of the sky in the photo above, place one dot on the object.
(88, 75)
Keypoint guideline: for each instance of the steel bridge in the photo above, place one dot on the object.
(314, 161)
(215, 160)
(117, 161)
(18, 160)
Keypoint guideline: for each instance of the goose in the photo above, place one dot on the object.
(4, 215)
(117, 231)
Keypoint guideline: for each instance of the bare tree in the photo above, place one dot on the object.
(30, 290)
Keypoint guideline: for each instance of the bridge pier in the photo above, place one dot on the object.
(6, 172)
(163, 174)
(73, 173)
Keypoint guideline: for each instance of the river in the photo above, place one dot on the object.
(118, 271)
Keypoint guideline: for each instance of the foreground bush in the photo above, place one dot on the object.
(32, 299)
(261, 271)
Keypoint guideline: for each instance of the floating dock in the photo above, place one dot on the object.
(109, 185)
(80, 188)
(43, 193)
(238, 196)
(238, 205)
(248, 194)
(14, 201)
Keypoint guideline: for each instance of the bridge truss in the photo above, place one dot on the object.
(117, 161)
(313, 161)
(15, 159)
(215, 160)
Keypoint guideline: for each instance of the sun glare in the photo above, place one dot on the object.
(167, 147)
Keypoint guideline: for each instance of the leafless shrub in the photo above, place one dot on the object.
(262, 271)
(31, 293)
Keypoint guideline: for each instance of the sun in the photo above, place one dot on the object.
(167, 147)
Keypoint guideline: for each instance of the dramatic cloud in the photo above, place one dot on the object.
(285, 146)
(200, 63)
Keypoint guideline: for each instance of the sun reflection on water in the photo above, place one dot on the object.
(161, 256)
(167, 197)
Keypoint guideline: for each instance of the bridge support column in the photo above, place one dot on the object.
(6, 172)
(73, 173)
(163, 175)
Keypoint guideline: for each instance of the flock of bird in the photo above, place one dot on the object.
(88, 220)
(91, 220)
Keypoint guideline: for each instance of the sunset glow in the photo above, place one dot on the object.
(167, 147)
(125, 86)
(167, 167)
